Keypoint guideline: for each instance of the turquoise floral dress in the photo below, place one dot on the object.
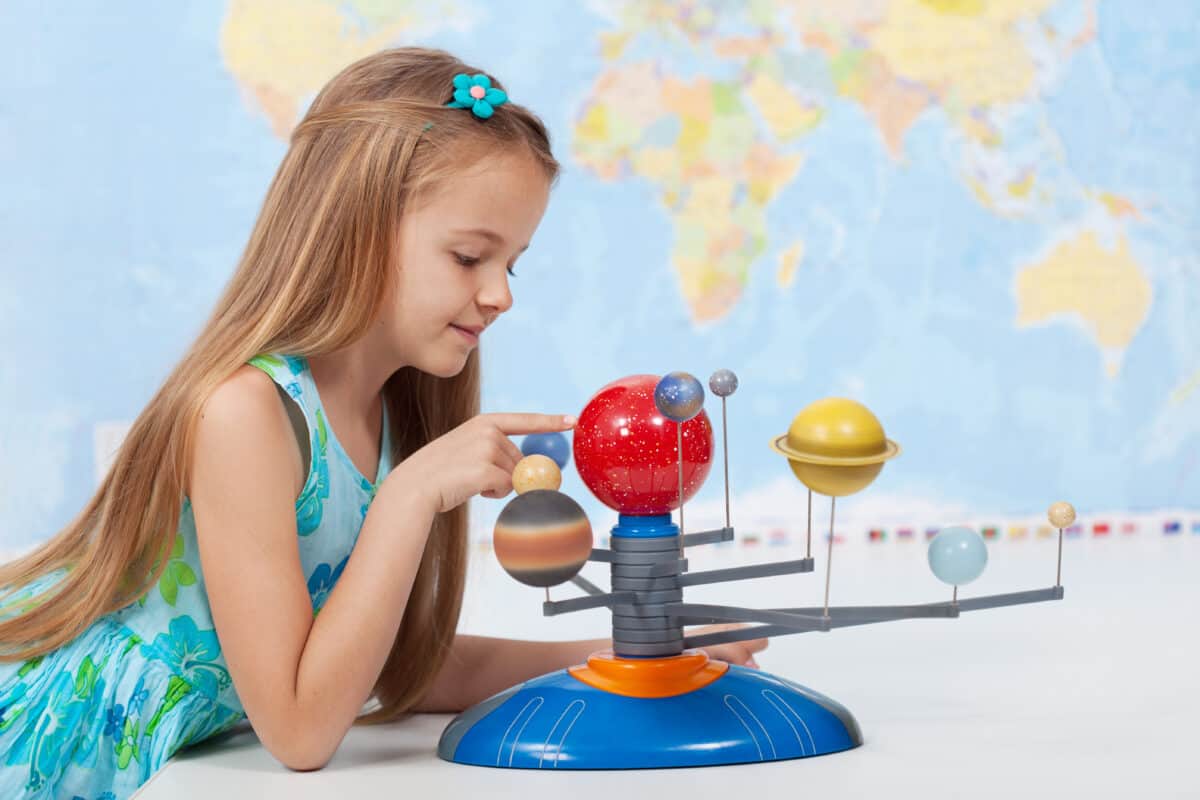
(97, 717)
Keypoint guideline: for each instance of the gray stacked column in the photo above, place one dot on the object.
(644, 629)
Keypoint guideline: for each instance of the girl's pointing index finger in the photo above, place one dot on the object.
(532, 423)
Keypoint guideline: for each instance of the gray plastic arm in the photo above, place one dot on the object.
(763, 631)
(685, 613)
(838, 617)
(865, 615)
(551, 608)
(742, 573)
(880, 613)
(658, 569)
(586, 585)
(708, 537)
(689, 540)
(1010, 599)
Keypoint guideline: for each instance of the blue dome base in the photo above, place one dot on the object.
(558, 722)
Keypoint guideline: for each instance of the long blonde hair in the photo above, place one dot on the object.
(312, 278)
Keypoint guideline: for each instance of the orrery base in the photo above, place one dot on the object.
(557, 721)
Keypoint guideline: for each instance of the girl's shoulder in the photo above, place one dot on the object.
(244, 423)
(249, 395)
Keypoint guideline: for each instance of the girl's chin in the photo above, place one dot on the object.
(450, 373)
(445, 366)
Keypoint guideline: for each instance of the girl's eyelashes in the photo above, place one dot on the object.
(470, 261)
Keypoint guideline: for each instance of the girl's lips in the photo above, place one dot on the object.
(470, 336)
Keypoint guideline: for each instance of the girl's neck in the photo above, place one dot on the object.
(351, 379)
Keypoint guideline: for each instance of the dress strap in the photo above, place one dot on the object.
(385, 447)
(292, 380)
(292, 375)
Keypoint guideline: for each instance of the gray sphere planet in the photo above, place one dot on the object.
(723, 383)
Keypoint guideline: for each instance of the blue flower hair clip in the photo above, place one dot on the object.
(476, 93)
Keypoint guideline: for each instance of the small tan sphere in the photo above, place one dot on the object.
(536, 472)
(1061, 514)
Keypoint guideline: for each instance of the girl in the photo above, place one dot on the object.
(252, 552)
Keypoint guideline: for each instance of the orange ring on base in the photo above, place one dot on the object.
(649, 677)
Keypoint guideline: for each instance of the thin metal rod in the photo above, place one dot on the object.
(829, 560)
(954, 599)
(679, 449)
(725, 447)
(808, 552)
(1058, 574)
(547, 594)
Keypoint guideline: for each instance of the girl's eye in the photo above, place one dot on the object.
(470, 261)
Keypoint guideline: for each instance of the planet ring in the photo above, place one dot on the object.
(779, 445)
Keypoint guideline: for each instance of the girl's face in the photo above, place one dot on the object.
(455, 252)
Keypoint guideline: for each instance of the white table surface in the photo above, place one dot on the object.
(1094, 696)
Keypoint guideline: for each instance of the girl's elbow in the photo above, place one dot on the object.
(303, 748)
(306, 764)
(302, 756)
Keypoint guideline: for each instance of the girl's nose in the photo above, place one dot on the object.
(494, 292)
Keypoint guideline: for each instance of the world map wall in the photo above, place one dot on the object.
(977, 218)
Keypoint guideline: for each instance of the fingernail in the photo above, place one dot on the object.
(568, 419)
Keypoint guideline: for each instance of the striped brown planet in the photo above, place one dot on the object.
(542, 538)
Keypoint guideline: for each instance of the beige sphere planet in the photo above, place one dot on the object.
(1061, 514)
(536, 472)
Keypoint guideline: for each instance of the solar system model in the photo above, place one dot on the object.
(643, 446)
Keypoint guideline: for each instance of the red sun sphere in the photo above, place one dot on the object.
(625, 449)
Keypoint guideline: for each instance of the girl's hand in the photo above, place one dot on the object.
(740, 653)
(477, 457)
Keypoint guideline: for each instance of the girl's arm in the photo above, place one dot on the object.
(301, 680)
(480, 666)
